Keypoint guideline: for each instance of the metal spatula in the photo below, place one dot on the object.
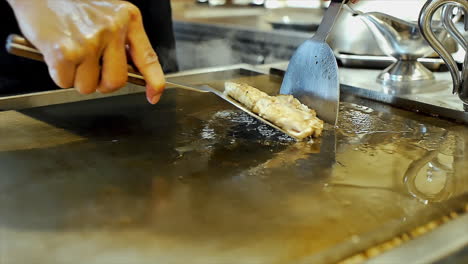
(19, 46)
(312, 74)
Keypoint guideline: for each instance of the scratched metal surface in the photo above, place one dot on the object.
(192, 180)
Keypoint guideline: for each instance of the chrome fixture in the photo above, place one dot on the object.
(403, 41)
(460, 80)
(448, 23)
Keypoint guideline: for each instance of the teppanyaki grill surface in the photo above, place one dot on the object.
(192, 180)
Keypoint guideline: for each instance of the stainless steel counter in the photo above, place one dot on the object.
(223, 36)
(230, 35)
(192, 180)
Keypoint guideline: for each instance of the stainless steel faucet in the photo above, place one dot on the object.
(403, 41)
(460, 79)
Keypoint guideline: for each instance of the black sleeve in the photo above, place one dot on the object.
(157, 19)
(19, 75)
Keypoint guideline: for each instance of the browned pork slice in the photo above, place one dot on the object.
(283, 110)
(243, 93)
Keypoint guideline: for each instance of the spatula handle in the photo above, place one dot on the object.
(19, 46)
(329, 19)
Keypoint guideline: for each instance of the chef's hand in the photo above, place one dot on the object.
(85, 43)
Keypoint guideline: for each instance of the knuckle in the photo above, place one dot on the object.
(68, 52)
(114, 26)
(93, 45)
(90, 46)
(114, 29)
(123, 13)
(132, 9)
(150, 57)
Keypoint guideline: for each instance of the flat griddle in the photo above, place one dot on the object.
(193, 180)
(19, 46)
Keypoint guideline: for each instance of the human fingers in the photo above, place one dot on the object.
(114, 65)
(143, 56)
(62, 60)
(88, 74)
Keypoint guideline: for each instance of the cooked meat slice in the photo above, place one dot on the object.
(245, 94)
(298, 123)
(284, 110)
(289, 99)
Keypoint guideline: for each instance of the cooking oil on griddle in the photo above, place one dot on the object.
(192, 180)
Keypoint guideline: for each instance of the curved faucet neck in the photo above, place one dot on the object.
(425, 24)
(378, 16)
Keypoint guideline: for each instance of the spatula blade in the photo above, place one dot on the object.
(312, 77)
(312, 74)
